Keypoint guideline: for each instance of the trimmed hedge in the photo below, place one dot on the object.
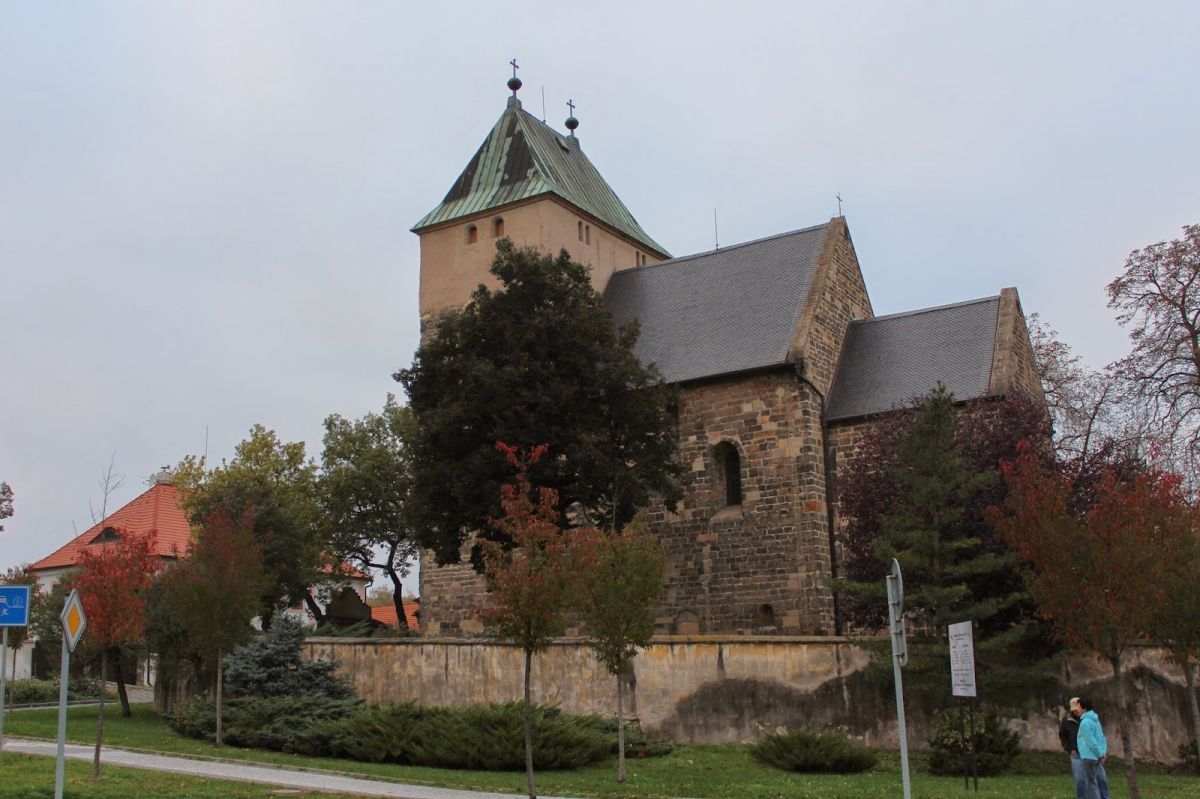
(826, 753)
(996, 745)
(482, 737)
(29, 692)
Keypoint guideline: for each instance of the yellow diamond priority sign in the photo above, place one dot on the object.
(73, 620)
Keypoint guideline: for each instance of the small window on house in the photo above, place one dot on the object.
(498, 227)
(106, 535)
(730, 464)
(580, 231)
(587, 234)
(472, 234)
(765, 616)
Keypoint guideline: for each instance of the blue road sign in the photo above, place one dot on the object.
(14, 605)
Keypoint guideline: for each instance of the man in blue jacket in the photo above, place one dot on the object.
(1093, 751)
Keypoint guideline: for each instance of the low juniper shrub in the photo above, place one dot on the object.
(996, 746)
(826, 752)
(486, 737)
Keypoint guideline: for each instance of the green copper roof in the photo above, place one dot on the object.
(523, 158)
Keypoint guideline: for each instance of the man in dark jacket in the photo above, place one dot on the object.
(1068, 734)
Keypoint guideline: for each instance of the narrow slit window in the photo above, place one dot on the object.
(730, 464)
(587, 234)
(472, 234)
(581, 231)
(498, 227)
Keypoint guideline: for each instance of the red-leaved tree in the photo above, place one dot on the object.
(529, 583)
(215, 592)
(1097, 571)
(112, 583)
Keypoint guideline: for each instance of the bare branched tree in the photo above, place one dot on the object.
(1158, 299)
(109, 481)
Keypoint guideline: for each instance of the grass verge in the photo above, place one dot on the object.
(32, 777)
(702, 772)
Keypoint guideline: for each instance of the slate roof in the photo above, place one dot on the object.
(522, 158)
(157, 509)
(889, 360)
(720, 312)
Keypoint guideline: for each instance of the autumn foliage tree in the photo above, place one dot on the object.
(622, 578)
(112, 582)
(529, 582)
(276, 482)
(1098, 569)
(214, 592)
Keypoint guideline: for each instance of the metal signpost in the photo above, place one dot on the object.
(74, 622)
(895, 594)
(962, 686)
(14, 612)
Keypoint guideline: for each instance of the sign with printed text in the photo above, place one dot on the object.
(14, 605)
(962, 660)
(74, 622)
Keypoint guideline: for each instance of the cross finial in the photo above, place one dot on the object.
(572, 122)
(571, 105)
(839, 199)
(514, 82)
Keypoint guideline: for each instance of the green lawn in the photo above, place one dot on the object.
(30, 777)
(703, 772)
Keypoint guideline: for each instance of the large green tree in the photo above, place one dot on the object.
(276, 484)
(538, 361)
(364, 488)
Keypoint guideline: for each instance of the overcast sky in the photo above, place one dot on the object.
(205, 206)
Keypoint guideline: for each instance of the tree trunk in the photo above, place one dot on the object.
(220, 679)
(121, 692)
(100, 718)
(1190, 678)
(1126, 729)
(527, 722)
(398, 598)
(313, 607)
(620, 727)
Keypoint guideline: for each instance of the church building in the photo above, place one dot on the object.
(780, 363)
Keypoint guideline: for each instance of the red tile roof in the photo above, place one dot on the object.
(157, 509)
(386, 614)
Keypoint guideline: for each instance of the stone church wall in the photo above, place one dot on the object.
(759, 566)
(837, 297)
(722, 689)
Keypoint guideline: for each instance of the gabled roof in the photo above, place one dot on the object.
(386, 614)
(890, 360)
(157, 509)
(523, 158)
(719, 312)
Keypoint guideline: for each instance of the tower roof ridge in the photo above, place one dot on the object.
(522, 158)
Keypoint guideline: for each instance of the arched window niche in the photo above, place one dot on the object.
(729, 465)
(472, 234)
(498, 227)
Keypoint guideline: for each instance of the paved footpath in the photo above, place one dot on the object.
(225, 770)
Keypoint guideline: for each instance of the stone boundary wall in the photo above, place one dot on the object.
(722, 689)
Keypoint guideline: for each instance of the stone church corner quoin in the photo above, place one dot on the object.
(780, 363)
